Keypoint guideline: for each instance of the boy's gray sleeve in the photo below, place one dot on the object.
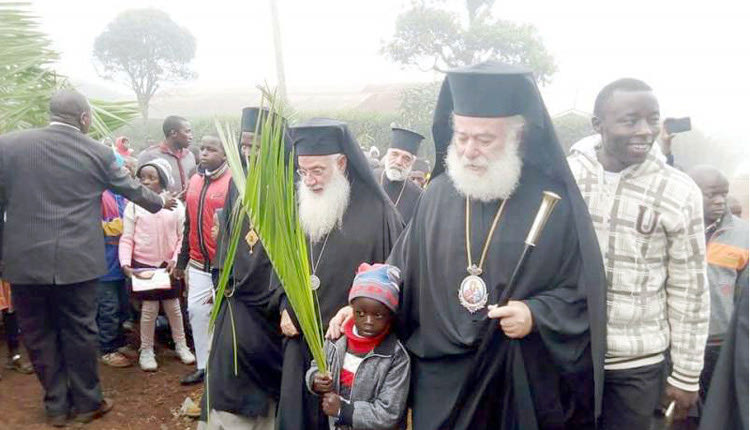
(388, 408)
(310, 374)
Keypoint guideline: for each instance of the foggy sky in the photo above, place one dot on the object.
(695, 56)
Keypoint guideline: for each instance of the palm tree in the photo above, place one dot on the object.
(27, 80)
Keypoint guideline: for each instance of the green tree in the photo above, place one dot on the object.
(415, 113)
(27, 80)
(571, 127)
(144, 48)
(430, 37)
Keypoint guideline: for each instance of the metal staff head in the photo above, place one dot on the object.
(549, 201)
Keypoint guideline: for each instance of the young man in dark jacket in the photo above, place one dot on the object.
(726, 258)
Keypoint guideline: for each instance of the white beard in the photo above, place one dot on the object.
(396, 174)
(499, 179)
(320, 213)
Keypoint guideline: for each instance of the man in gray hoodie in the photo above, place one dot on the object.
(648, 218)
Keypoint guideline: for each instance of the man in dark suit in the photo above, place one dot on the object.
(51, 181)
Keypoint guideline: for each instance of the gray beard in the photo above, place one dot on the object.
(319, 214)
(498, 181)
(396, 174)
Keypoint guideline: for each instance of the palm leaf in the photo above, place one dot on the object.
(27, 80)
(267, 198)
(108, 116)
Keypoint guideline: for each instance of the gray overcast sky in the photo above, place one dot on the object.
(694, 54)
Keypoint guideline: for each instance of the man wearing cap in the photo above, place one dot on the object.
(348, 219)
(243, 393)
(541, 365)
(394, 178)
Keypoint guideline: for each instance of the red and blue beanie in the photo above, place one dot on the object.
(378, 282)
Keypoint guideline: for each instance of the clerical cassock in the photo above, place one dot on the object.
(244, 366)
(727, 403)
(551, 378)
(394, 177)
(368, 229)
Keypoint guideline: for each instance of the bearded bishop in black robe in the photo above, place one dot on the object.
(366, 232)
(394, 177)
(551, 378)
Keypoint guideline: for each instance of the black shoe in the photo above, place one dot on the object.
(194, 378)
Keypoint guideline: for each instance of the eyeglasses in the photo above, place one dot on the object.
(315, 172)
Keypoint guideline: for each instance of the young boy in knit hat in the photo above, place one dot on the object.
(367, 382)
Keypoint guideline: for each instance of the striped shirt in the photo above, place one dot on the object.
(357, 348)
(649, 223)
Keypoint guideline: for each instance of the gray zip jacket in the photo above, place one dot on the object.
(380, 388)
(727, 256)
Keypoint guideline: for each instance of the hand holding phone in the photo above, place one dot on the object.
(677, 125)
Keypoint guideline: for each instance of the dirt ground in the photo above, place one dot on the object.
(142, 400)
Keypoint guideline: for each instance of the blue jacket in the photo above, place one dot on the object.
(113, 207)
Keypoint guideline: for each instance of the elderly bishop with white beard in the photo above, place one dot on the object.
(348, 220)
(394, 178)
(543, 365)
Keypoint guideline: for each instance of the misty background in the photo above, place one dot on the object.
(694, 55)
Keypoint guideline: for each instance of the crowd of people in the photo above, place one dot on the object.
(449, 299)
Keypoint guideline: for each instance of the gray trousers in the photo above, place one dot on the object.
(58, 326)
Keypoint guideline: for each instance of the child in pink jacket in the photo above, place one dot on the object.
(152, 241)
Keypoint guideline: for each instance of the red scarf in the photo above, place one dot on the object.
(359, 345)
(356, 348)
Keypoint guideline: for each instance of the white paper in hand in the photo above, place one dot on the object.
(151, 279)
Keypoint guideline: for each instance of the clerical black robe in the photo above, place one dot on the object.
(403, 194)
(727, 402)
(248, 321)
(549, 372)
(369, 229)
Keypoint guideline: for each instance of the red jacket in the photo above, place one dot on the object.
(205, 194)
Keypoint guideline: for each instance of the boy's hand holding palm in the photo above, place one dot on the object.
(331, 402)
(322, 383)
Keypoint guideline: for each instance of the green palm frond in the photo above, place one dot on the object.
(27, 80)
(108, 116)
(268, 200)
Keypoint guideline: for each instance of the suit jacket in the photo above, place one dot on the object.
(51, 182)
